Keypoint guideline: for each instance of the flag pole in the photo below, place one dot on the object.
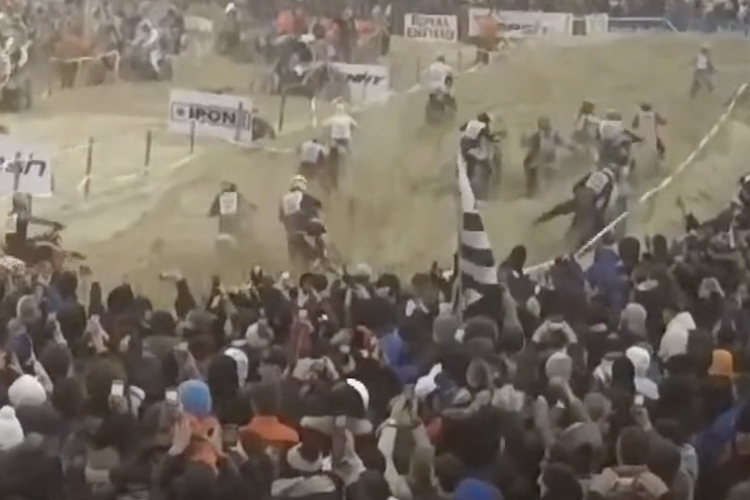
(457, 288)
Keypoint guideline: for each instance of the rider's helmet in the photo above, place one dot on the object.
(646, 106)
(543, 122)
(20, 201)
(340, 108)
(484, 118)
(441, 58)
(705, 48)
(587, 107)
(299, 183)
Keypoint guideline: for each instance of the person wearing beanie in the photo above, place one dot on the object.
(633, 321)
(641, 360)
(243, 364)
(26, 391)
(195, 398)
(559, 365)
(481, 327)
(301, 475)
(444, 328)
(474, 489)
(11, 432)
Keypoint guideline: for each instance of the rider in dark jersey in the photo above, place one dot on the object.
(17, 227)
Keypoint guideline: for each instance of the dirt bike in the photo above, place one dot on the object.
(336, 163)
(440, 108)
(138, 59)
(485, 176)
(308, 248)
(45, 247)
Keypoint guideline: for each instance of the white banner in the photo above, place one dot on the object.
(25, 167)
(431, 27)
(215, 115)
(368, 83)
(529, 23)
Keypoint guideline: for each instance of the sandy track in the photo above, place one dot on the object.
(403, 212)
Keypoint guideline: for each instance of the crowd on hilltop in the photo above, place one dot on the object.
(627, 380)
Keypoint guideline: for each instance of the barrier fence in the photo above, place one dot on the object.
(104, 165)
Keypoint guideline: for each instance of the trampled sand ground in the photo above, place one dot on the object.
(398, 212)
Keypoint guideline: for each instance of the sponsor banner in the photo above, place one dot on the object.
(25, 167)
(431, 27)
(367, 83)
(220, 116)
(596, 24)
(640, 25)
(528, 23)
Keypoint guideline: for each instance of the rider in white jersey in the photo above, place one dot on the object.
(298, 208)
(312, 157)
(439, 82)
(341, 126)
(437, 75)
(147, 40)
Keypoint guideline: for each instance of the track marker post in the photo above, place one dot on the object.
(192, 136)
(147, 153)
(282, 110)
(89, 167)
(240, 122)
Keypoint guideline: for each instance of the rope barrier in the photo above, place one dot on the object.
(539, 268)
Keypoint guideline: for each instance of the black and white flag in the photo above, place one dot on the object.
(476, 261)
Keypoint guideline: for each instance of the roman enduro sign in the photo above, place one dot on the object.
(431, 27)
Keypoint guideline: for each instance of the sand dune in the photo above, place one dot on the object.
(398, 212)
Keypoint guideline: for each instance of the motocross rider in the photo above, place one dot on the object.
(647, 123)
(312, 157)
(541, 155)
(174, 23)
(475, 143)
(231, 29)
(586, 126)
(147, 42)
(590, 204)
(230, 207)
(17, 226)
(615, 140)
(439, 82)
(299, 212)
(341, 126)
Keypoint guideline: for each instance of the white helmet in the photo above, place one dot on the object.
(299, 182)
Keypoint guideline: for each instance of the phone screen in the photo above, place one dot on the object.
(118, 388)
(230, 434)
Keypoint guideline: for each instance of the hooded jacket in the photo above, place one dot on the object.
(641, 360)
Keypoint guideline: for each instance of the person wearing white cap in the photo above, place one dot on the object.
(11, 432)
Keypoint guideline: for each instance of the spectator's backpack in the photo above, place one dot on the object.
(611, 486)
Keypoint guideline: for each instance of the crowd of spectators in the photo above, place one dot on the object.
(627, 380)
